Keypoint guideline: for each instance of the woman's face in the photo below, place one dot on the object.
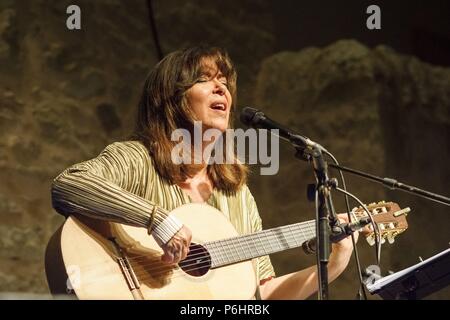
(210, 99)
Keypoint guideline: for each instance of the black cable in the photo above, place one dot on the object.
(376, 230)
(151, 17)
(362, 291)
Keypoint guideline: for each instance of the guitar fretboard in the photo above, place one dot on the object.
(242, 248)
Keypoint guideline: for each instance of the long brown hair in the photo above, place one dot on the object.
(163, 108)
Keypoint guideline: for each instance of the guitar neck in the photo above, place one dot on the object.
(243, 248)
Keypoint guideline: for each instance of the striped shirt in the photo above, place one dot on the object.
(122, 185)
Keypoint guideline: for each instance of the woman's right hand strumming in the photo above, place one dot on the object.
(177, 248)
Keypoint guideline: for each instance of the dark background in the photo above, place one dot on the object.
(378, 99)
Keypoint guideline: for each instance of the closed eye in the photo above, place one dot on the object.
(202, 79)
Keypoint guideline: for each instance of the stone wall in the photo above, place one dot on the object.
(65, 95)
(376, 111)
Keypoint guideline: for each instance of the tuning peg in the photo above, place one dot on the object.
(391, 225)
(370, 240)
(402, 212)
(390, 238)
(382, 202)
(383, 240)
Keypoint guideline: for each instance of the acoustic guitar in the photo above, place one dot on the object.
(95, 259)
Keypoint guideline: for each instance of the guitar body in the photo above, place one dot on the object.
(92, 253)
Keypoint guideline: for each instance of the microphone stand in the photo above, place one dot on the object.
(325, 214)
(326, 219)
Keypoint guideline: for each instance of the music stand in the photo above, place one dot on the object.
(415, 282)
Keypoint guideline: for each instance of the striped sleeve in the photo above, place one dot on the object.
(265, 269)
(110, 187)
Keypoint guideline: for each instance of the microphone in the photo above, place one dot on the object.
(257, 119)
(345, 229)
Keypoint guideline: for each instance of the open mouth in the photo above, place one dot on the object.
(219, 106)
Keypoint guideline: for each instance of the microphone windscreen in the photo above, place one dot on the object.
(247, 115)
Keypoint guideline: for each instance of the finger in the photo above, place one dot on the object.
(176, 257)
(167, 257)
(178, 246)
(343, 217)
(184, 253)
(185, 243)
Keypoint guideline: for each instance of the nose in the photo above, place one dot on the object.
(219, 87)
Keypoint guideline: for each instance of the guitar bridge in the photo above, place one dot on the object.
(127, 271)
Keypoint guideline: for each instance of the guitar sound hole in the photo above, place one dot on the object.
(198, 261)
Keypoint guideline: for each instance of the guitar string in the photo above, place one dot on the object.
(219, 256)
(304, 225)
(207, 258)
(222, 248)
(292, 237)
(177, 271)
(159, 266)
(228, 244)
(225, 246)
(307, 224)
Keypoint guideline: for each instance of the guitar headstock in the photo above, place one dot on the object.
(390, 218)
